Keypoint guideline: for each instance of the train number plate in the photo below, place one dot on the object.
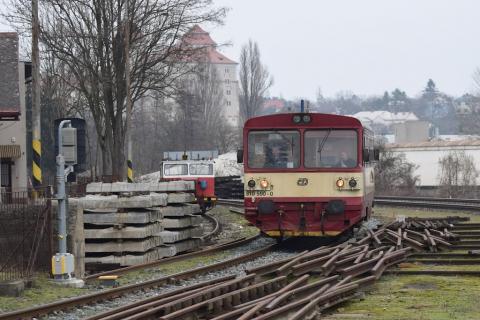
(258, 193)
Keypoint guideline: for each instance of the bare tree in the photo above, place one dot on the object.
(458, 175)
(88, 36)
(394, 175)
(201, 110)
(470, 120)
(255, 80)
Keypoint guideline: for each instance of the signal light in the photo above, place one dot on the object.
(297, 119)
(340, 183)
(352, 183)
(251, 183)
(307, 118)
(264, 184)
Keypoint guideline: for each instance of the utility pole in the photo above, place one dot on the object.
(128, 119)
(36, 123)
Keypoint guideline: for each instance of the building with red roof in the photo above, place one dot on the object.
(206, 51)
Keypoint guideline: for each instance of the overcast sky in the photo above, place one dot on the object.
(366, 46)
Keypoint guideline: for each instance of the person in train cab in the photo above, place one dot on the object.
(345, 161)
(275, 158)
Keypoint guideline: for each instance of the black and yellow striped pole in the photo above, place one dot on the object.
(129, 171)
(37, 162)
(36, 124)
(128, 117)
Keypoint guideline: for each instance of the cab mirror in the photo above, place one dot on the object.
(240, 156)
(376, 154)
(366, 155)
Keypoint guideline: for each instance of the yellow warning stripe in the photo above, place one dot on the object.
(37, 146)
(37, 172)
(130, 174)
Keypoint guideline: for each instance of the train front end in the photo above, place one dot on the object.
(307, 174)
(199, 171)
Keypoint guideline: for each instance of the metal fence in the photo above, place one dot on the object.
(26, 243)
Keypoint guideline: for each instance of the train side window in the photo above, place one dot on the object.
(201, 169)
(175, 169)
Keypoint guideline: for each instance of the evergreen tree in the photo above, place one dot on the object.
(430, 91)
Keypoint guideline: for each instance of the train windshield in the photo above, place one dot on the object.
(274, 149)
(175, 169)
(330, 149)
(203, 169)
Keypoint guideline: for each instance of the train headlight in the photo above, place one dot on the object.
(352, 183)
(264, 184)
(307, 118)
(340, 183)
(297, 119)
(251, 183)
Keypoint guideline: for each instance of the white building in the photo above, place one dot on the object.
(426, 156)
(226, 69)
(13, 131)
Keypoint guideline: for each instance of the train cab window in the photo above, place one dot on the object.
(274, 149)
(201, 169)
(175, 169)
(331, 149)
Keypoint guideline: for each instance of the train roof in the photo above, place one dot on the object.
(318, 120)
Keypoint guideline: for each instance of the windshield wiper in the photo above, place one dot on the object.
(320, 148)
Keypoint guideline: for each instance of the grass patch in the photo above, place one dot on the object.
(42, 291)
(416, 297)
(234, 225)
(173, 267)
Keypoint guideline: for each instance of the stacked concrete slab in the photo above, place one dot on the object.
(132, 223)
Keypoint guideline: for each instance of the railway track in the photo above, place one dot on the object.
(317, 279)
(433, 203)
(146, 285)
(298, 286)
(302, 285)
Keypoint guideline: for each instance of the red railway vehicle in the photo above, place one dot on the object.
(200, 171)
(307, 174)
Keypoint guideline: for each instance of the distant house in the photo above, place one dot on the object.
(386, 118)
(273, 105)
(13, 153)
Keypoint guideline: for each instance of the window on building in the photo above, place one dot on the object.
(226, 70)
(227, 81)
(229, 92)
(229, 103)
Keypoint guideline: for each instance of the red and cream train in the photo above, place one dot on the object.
(199, 171)
(307, 174)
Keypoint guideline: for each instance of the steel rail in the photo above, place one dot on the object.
(429, 199)
(216, 227)
(122, 290)
(216, 248)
